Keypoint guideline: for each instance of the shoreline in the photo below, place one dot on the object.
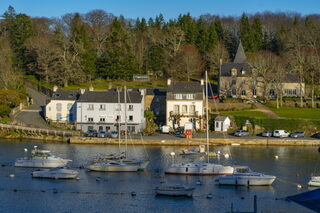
(174, 142)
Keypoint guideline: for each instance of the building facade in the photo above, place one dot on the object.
(61, 107)
(185, 101)
(106, 110)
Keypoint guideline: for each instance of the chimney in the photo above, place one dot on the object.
(91, 88)
(169, 82)
(82, 91)
(202, 82)
(55, 88)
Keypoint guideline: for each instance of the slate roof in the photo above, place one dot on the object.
(240, 55)
(65, 95)
(227, 67)
(111, 96)
(220, 118)
(291, 78)
(185, 87)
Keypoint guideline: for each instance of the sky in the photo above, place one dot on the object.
(151, 8)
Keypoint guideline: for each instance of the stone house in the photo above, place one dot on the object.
(184, 104)
(155, 100)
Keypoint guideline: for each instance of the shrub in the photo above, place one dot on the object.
(4, 110)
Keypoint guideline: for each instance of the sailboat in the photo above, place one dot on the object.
(120, 164)
(201, 168)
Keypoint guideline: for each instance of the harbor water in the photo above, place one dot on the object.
(113, 192)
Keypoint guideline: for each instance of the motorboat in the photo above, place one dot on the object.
(176, 190)
(41, 159)
(243, 175)
(199, 168)
(315, 181)
(114, 166)
(55, 173)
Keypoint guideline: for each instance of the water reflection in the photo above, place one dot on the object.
(111, 192)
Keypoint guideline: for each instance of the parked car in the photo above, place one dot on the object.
(102, 134)
(91, 133)
(179, 131)
(114, 134)
(297, 135)
(241, 133)
(281, 133)
(317, 135)
(267, 133)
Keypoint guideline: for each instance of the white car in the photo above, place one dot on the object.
(281, 133)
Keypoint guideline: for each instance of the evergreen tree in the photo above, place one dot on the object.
(202, 37)
(245, 34)
(218, 28)
(213, 36)
(257, 35)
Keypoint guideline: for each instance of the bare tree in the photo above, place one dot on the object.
(215, 56)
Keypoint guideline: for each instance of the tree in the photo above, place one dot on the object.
(245, 33)
(218, 53)
(187, 63)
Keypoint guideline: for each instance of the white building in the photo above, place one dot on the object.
(104, 110)
(222, 123)
(185, 103)
(61, 107)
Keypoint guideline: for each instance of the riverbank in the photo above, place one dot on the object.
(174, 142)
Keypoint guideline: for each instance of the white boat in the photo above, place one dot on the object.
(244, 176)
(315, 181)
(200, 168)
(177, 190)
(41, 159)
(113, 166)
(56, 173)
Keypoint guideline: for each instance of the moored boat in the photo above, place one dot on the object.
(243, 175)
(176, 190)
(199, 168)
(314, 181)
(56, 173)
(113, 166)
(41, 159)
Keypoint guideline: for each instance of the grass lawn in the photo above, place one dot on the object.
(297, 113)
(245, 113)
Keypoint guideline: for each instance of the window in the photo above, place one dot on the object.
(290, 91)
(234, 81)
(272, 93)
(100, 128)
(90, 128)
(192, 109)
(102, 119)
(130, 118)
(58, 106)
(190, 96)
(131, 128)
(49, 108)
(90, 119)
(243, 93)
(59, 117)
(254, 92)
(233, 92)
(90, 107)
(118, 118)
(118, 107)
(102, 107)
(184, 109)
(178, 96)
(69, 106)
(217, 124)
(108, 128)
(130, 108)
(176, 109)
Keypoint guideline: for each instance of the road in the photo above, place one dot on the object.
(32, 116)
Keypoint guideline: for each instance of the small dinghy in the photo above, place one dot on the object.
(244, 176)
(55, 173)
(315, 181)
(175, 191)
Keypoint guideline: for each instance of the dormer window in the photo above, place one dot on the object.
(233, 71)
(57, 95)
(70, 95)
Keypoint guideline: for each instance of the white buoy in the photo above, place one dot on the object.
(226, 155)
(25, 149)
(276, 157)
(218, 152)
(163, 141)
(172, 153)
(199, 182)
(299, 186)
(12, 175)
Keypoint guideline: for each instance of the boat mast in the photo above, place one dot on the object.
(207, 116)
(125, 120)
(119, 107)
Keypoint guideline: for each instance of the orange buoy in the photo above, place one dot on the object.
(298, 175)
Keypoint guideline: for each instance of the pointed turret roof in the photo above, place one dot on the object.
(240, 55)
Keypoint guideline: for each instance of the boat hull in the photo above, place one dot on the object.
(114, 168)
(315, 181)
(246, 180)
(200, 169)
(41, 163)
(70, 174)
